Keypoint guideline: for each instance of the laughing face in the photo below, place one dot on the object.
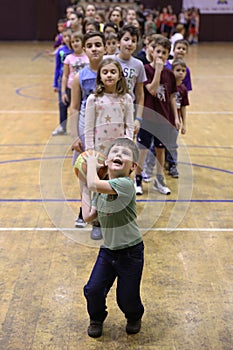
(120, 161)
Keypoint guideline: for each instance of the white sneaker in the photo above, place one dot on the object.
(145, 177)
(159, 185)
(138, 189)
(138, 185)
(59, 131)
(79, 222)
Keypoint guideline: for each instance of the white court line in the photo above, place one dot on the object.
(54, 229)
(213, 112)
(53, 112)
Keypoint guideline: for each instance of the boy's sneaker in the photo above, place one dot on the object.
(173, 171)
(138, 185)
(59, 131)
(96, 232)
(95, 329)
(79, 222)
(159, 185)
(133, 327)
(145, 177)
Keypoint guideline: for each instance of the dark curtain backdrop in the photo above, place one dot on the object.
(37, 19)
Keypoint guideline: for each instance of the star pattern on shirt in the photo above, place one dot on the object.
(102, 148)
(108, 119)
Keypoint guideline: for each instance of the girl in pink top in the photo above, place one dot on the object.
(109, 110)
(72, 64)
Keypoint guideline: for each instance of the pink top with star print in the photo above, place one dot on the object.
(106, 118)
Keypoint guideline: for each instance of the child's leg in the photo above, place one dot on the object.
(97, 288)
(141, 159)
(160, 160)
(61, 129)
(144, 138)
(63, 111)
(159, 183)
(150, 161)
(172, 154)
(129, 270)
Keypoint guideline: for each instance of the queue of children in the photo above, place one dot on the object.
(83, 85)
(115, 96)
(121, 47)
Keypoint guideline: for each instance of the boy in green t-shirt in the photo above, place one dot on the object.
(122, 254)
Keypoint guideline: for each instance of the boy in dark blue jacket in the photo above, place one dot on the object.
(61, 54)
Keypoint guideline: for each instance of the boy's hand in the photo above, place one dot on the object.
(183, 130)
(177, 123)
(91, 157)
(159, 64)
(65, 98)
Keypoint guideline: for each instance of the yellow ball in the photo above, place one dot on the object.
(80, 166)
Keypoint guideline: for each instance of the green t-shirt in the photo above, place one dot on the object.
(117, 215)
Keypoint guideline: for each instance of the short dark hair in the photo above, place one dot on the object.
(128, 28)
(112, 25)
(164, 42)
(181, 41)
(178, 62)
(87, 21)
(91, 35)
(111, 36)
(128, 143)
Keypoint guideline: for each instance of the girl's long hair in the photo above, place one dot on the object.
(121, 86)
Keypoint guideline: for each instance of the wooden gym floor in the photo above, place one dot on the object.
(187, 286)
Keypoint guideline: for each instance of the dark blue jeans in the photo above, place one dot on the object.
(126, 265)
(63, 108)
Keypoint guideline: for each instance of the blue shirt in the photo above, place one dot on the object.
(61, 54)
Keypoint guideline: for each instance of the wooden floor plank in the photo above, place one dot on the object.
(187, 281)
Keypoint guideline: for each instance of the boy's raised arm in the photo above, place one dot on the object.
(94, 183)
(89, 212)
(153, 86)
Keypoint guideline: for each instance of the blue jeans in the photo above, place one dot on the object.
(63, 108)
(126, 265)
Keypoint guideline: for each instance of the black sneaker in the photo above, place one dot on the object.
(138, 185)
(133, 327)
(95, 329)
(79, 222)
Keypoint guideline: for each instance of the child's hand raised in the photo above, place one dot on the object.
(159, 64)
(93, 157)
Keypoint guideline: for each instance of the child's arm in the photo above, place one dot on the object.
(74, 111)
(65, 76)
(153, 86)
(94, 184)
(90, 122)
(139, 99)
(183, 117)
(174, 110)
(129, 118)
(89, 212)
(57, 71)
